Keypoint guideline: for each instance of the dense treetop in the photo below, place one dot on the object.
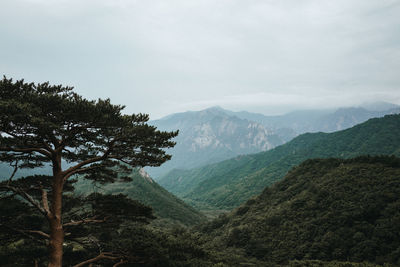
(41, 119)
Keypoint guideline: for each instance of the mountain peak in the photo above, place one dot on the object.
(218, 108)
(215, 110)
(145, 175)
(378, 106)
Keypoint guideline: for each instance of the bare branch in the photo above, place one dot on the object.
(13, 173)
(103, 255)
(119, 263)
(37, 232)
(88, 220)
(44, 200)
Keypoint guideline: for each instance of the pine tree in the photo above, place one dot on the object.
(48, 125)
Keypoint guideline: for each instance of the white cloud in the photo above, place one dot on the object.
(158, 56)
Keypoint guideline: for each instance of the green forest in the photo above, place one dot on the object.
(325, 212)
(319, 200)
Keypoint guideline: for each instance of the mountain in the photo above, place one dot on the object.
(210, 136)
(303, 121)
(323, 210)
(344, 118)
(168, 208)
(227, 184)
(379, 106)
(299, 121)
(216, 134)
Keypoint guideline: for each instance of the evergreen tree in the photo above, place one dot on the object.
(43, 124)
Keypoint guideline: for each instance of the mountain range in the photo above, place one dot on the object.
(216, 134)
(229, 183)
(329, 120)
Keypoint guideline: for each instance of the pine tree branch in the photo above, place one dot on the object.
(37, 232)
(81, 164)
(120, 262)
(84, 221)
(27, 150)
(80, 171)
(73, 131)
(27, 197)
(24, 232)
(103, 255)
(67, 173)
(45, 201)
(48, 147)
(13, 173)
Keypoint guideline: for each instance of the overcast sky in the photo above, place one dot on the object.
(166, 56)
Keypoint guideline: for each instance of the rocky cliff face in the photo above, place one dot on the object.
(212, 135)
(229, 133)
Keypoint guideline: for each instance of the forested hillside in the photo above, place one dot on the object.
(168, 208)
(227, 184)
(324, 209)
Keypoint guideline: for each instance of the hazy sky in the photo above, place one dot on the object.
(166, 56)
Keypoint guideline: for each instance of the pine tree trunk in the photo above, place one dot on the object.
(56, 243)
(56, 229)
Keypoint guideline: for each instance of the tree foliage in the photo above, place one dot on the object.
(45, 124)
(39, 120)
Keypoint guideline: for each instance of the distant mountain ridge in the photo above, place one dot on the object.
(215, 134)
(229, 183)
(329, 120)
